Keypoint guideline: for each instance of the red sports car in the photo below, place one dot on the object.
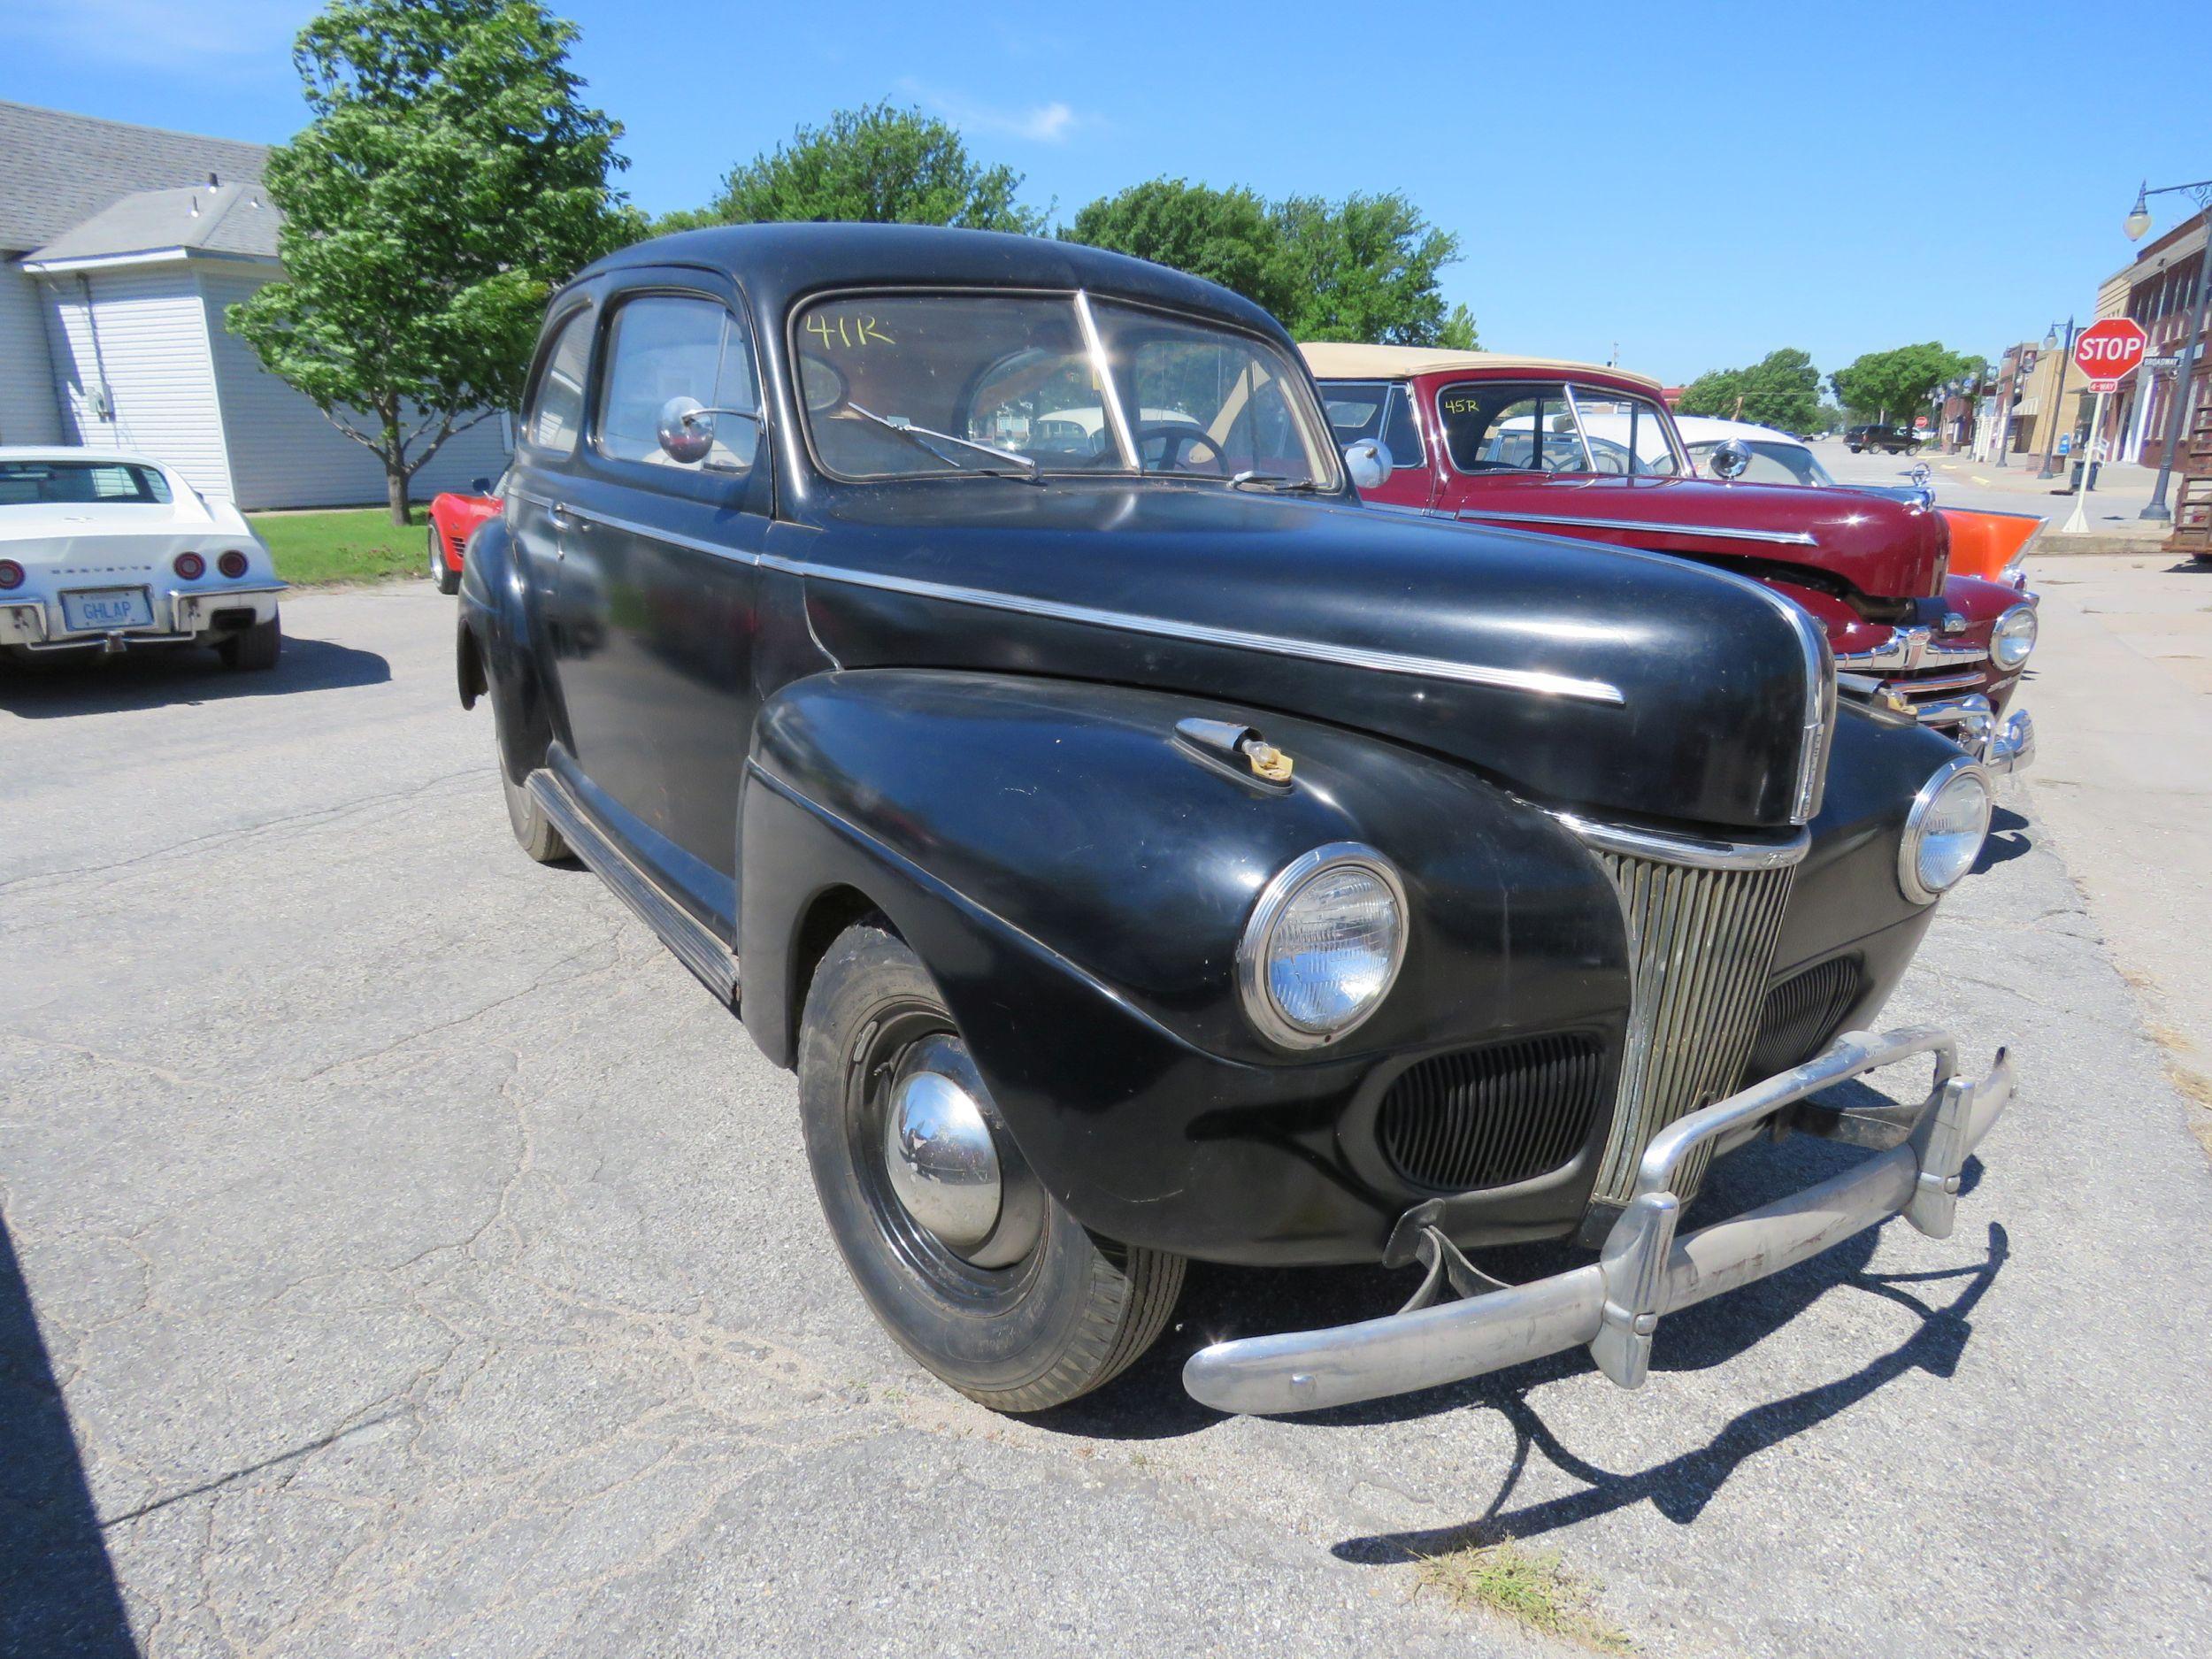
(453, 518)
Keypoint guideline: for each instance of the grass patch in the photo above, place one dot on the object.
(359, 544)
(1529, 1586)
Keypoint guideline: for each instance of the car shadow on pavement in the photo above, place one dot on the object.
(56, 688)
(2008, 839)
(57, 1589)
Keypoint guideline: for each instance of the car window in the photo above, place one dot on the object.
(557, 408)
(933, 385)
(1373, 409)
(26, 483)
(661, 347)
(1554, 427)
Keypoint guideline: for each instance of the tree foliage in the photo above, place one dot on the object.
(1225, 236)
(1364, 268)
(1781, 390)
(450, 178)
(877, 164)
(1888, 384)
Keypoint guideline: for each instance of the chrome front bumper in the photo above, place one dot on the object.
(1613, 1304)
(2001, 745)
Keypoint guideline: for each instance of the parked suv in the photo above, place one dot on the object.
(1143, 851)
(1896, 440)
(1571, 450)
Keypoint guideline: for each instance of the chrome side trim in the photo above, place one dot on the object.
(1779, 538)
(1696, 852)
(1534, 680)
(693, 945)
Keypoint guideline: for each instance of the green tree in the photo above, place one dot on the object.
(1225, 236)
(1782, 390)
(1363, 269)
(1891, 385)
(449, 180)
(877, 164)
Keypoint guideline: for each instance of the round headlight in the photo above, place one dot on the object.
(1322, 946)
(1944, 831)
(2014, 637)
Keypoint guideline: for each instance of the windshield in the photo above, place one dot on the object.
(928, 385)
(40, 483)
(1555, 426)
(1772, 462)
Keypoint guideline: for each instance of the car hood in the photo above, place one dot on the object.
(1889, 549)
(1629, 683)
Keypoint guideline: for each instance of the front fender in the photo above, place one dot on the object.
(1076, 878)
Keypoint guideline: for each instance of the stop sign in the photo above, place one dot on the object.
(2109, 351)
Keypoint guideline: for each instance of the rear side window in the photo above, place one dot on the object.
(556, 410)
(664, 346)
(1374, 409)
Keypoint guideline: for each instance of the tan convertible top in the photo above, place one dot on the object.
(1330, 360)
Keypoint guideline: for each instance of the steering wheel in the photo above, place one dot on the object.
(1561, 460)
(1174, 439)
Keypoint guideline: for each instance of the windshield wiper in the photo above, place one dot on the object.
(919, 436)
(1274, 483)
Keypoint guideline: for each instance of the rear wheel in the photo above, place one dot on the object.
(254, 648)
(970, 1264)
(447, 579)
(534, 831)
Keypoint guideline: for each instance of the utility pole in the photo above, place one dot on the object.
(2050, 426)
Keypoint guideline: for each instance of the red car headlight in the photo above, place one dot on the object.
(191, 567)
(231, 564)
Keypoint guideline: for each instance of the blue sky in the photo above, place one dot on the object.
(1699, 184)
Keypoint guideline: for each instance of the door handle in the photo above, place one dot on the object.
(563, 517)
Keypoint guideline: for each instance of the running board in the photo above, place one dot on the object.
(694, 946)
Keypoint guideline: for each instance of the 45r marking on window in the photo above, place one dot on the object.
(858, 330)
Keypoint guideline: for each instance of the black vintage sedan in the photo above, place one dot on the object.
(1143, 851)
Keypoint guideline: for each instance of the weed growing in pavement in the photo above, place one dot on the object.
(1530, 1585)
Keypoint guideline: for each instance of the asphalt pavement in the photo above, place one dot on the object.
(403, 1255)
(2114, 508)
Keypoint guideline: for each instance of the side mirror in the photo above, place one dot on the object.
(479, 487)
(686, 430)
(1367, 461)
(1729, 459)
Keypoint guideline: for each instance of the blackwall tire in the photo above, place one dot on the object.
(255, 649)
(1070, 1315)
(534, 831)
(447, 579)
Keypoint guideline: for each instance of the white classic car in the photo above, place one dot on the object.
(105, 550)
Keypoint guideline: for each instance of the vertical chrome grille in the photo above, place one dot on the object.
(1702, 919)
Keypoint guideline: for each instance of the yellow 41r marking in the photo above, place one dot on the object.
(859, 329)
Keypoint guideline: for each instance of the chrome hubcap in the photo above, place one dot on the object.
(943, 1164)
(953, 1173)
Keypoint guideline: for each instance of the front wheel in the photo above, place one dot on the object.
(447, 579)
(964, 1257)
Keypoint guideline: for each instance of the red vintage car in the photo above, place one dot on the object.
(453, 519)
(1569, 449)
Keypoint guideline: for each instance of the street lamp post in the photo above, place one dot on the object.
(2050, 426)
(2139, 221)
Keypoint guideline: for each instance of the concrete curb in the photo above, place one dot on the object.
(2057, 544)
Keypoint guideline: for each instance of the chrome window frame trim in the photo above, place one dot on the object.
(1694, 852)
(1251, 961)
(1908, 844)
